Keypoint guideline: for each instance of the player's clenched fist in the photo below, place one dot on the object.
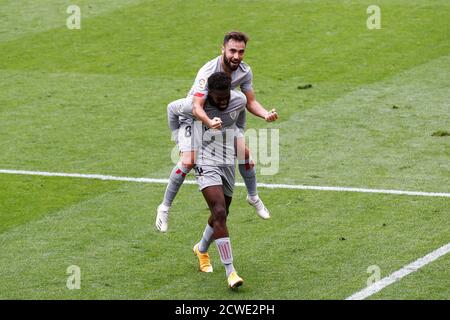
(215, 123)
(272, 115)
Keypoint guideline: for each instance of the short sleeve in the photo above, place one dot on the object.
(247, 82)
(200, 88)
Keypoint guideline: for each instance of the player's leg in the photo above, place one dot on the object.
(248, 172)
(207, 177)
(216, 201)
(182, 133)
(207, 236)
(201, 248)
(176, 179)
(178, 175)
(228, 181)
(220, 212)
(216, 226)
(216, 185)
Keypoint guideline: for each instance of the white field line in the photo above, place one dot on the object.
(260, 185)
(403, 272)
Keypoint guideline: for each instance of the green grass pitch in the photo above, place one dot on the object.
(93, 101)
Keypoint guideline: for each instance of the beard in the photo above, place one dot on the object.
(227, 62)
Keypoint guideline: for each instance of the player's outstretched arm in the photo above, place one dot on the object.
(258, 110)
(200, 114)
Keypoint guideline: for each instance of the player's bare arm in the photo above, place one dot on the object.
(199, 113)
(257, 109)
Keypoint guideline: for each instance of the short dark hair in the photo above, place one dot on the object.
(236, 35)
(219, 81)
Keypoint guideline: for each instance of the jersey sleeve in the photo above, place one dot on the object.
(200, 87)
(247, 81)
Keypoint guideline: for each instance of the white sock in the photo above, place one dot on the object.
(164, 207)
(176, 180)
(226, 255)
(206, 239)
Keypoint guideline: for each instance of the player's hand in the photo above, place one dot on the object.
(215, 123)
(272, 115)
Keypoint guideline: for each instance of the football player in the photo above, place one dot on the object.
(230, 62)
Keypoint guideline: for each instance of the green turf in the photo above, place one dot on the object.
(110, 237)
(29, 198)
(432, 284)
(93, 101)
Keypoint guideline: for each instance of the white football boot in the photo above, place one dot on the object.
(162, 218)
(261, 210)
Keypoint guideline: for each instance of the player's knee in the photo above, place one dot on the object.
(247, 169)
(188, 160)
(219, 214)
(187, 164)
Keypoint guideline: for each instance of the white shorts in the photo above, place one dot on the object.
(182, 130)
(185, 139)
(207, 176)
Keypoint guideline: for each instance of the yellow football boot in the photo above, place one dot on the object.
(203, 259)
(234, 280)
